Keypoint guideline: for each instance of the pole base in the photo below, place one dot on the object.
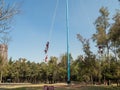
(68, 82)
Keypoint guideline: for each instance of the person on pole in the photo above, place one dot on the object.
(46, 48)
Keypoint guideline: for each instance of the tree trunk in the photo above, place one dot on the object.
(92, 79)
(1, 77)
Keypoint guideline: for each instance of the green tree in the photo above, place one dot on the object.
(77, 69)
(90, 64)
(52, 69)
(102, 26)
(114, 35)
(62, 70)
(43, 72)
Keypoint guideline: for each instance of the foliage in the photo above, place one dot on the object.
(102, 25)
(105, 66)
(87, 68)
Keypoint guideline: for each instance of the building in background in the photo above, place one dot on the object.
(4, 52)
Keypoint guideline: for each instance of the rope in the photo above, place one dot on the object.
(53, 21)
(51, 30)
(86, 15)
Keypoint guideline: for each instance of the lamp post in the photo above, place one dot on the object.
(68, 57)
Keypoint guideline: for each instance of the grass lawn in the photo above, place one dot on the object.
(69, 88)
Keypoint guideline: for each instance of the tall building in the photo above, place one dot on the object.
(4, 52)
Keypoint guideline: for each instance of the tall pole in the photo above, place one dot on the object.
(68, 57)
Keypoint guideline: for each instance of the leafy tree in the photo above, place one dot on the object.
(62, 70)
(77, 70)
(102, 25)
(52, 70)
(90, 65)
(43, 72)
(109, 41)
(114, 35)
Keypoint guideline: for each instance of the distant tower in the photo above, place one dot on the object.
(4, 51)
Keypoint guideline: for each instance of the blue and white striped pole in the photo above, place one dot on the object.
(68, 57)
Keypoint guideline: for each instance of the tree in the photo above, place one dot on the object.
(62, 70)
(53, 69)
(114, 35)
(5, 39)
(90, 64)
(7, 12)
(109, 41)
(43, 72)
(1, 67)
(77, 69)
(102, 25)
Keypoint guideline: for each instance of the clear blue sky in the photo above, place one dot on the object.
(31, 28)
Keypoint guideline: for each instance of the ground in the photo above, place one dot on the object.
(59, 86)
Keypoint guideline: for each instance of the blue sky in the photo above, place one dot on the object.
(31, 28)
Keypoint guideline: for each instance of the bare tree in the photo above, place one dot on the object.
(7, 12)
(5, 39)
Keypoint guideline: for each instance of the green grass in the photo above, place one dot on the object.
(68, 88)
(100, 88)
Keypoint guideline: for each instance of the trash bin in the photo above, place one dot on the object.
(51, 87)
(46, 88)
